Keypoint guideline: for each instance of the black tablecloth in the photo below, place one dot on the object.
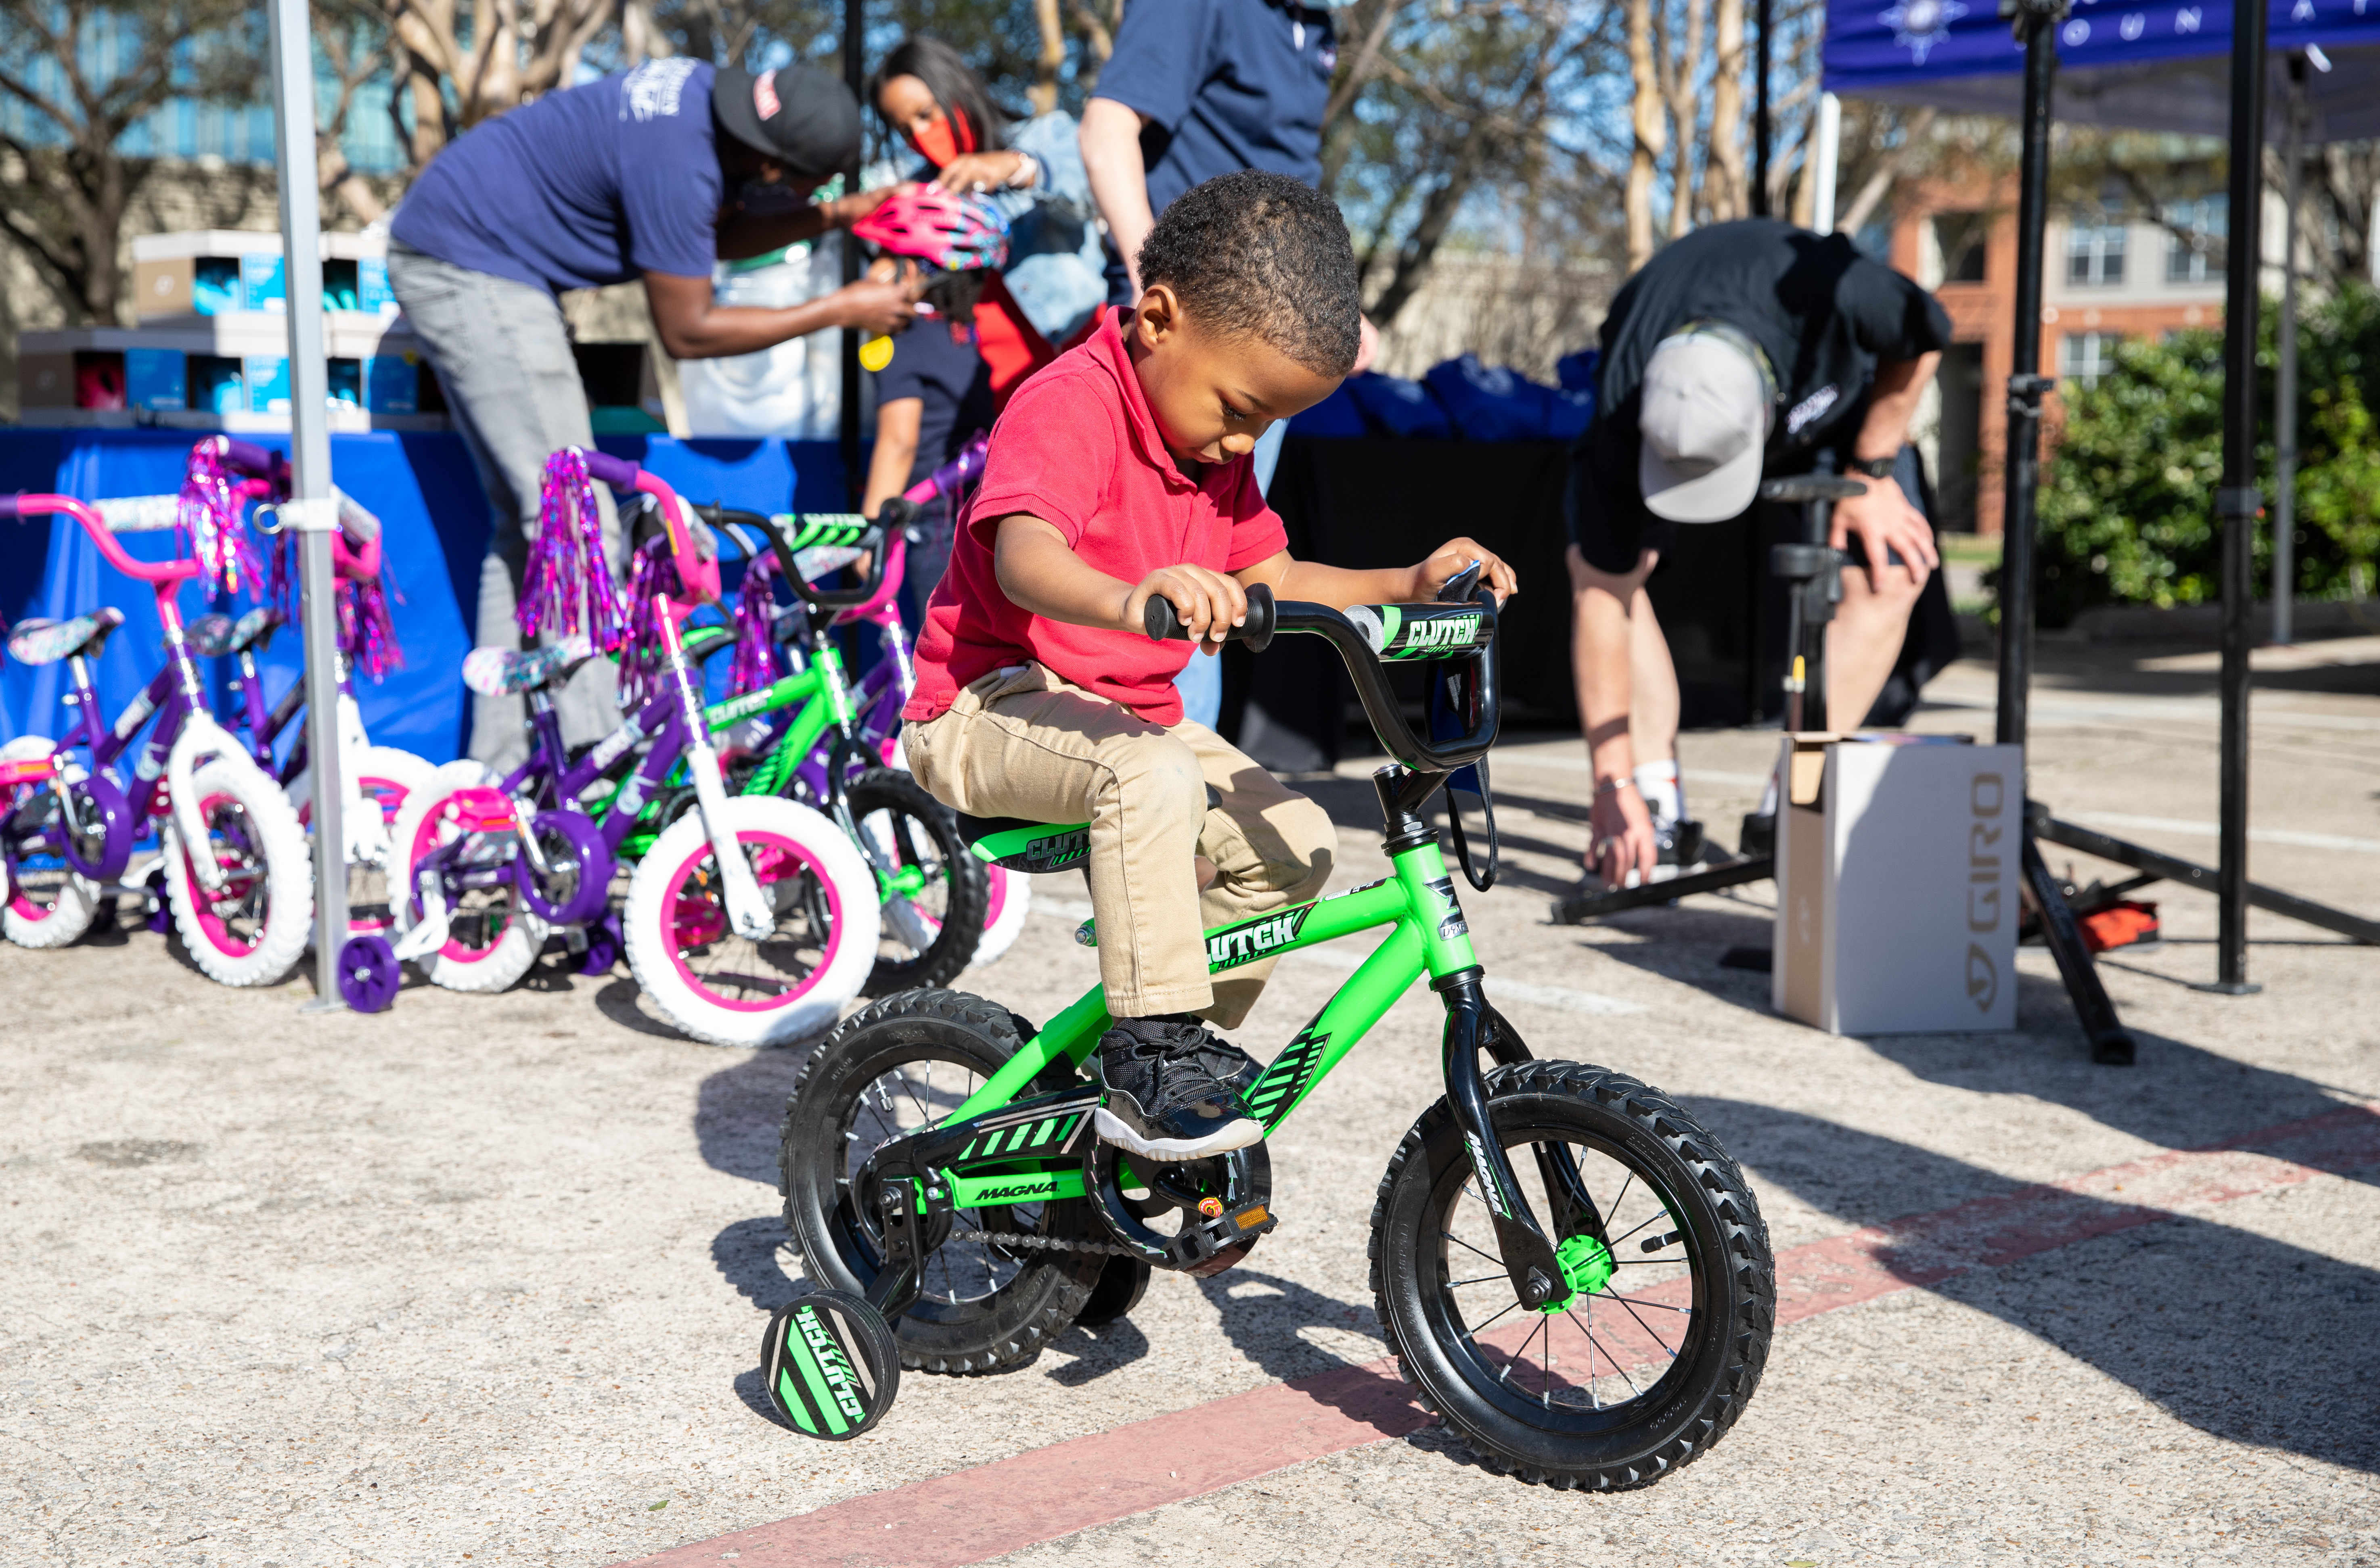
(1377, 502)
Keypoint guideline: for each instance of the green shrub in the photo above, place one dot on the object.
(2128, 498)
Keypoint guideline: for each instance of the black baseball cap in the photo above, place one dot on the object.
(799, 115)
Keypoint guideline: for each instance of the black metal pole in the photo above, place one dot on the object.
(1760, 131)
(2238, 502)
(854, 43)
(2037, 24)
(2026, 384)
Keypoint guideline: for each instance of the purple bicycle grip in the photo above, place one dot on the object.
(250, 458)
(9, 507)
(617, 472)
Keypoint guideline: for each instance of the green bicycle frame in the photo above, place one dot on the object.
(1428, 936)
(823, 697)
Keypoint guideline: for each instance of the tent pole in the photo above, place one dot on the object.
(2037, 24)
(2285, 390)
(2238, 502)
(312, 512)
(1823, 159)
(1760, 128)
(855, 41)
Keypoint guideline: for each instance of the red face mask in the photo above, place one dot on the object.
(940, 143)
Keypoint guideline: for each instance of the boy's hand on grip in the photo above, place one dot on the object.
(1208, 603)
(1451, 558)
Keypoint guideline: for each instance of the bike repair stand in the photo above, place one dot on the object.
(1812, 573)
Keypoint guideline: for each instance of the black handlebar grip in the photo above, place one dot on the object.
(1158, 619)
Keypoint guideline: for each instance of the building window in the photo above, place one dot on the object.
(1959, 237)
(2086, 356)
(2095, 253)
(2196, 231)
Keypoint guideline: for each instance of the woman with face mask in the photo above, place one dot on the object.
(1049, 290)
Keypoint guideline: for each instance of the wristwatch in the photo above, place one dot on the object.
(1876, 467)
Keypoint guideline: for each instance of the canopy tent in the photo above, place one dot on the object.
(2159, 64)
(2151, 65)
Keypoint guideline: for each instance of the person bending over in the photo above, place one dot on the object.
(1743, 350)
(1119, 474)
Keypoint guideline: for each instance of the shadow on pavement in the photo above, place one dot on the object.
(1096, 1352)
(2176, 1096)
(1263, 1324)
(739, 1111)
(755, 1258)
(2246, 1338)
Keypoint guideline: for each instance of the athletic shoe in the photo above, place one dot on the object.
(1680, 847)
(1162, 1102)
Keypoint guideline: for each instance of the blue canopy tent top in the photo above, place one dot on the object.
(2151, 65)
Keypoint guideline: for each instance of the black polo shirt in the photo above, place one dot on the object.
(1823, 313)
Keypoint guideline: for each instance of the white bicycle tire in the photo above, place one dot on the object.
(23, 922)
(1004, 921)
(289, 870)
(380, 765)
(650, 927)
(500, 966)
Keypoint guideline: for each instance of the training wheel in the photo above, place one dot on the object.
(831, 1365)
(368, 973)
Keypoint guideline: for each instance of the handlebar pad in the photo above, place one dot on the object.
(617, 472)
(250, 458)
(1158, 619)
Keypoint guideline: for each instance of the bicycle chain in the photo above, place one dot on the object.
(1048, 1243)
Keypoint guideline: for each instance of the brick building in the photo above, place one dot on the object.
(2110, 275)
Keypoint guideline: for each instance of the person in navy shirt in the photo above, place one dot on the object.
(653, 174)
(1198, 88)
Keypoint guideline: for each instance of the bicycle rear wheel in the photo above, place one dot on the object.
(1660, 1338)
(933, 890)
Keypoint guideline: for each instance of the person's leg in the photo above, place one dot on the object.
(1653, 705)
(1271, 848)
(1871, 624)
(1029, 745)
(503, 361)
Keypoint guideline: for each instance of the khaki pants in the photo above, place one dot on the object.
(1025, 743)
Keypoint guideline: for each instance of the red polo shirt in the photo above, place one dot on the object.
(1077, 448)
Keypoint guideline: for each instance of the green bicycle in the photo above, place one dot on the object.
(811, 744)
(1570, 1270)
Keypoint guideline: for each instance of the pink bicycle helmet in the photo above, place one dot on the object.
(956, 233)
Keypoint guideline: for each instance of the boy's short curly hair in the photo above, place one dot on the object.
(1262, 255)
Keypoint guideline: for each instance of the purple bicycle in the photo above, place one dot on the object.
(750, 920)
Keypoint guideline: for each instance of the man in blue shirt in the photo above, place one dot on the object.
(655, 174)
(1198, 88)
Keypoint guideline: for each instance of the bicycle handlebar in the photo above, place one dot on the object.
(833, 530)
(1160, 619)
(617, 472)
(157, 573)
(1369, 635)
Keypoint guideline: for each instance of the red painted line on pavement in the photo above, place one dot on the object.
(1003, 1506)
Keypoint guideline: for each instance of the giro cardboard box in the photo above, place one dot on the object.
(1897, 884)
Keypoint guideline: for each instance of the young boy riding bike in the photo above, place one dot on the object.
(1117, 475)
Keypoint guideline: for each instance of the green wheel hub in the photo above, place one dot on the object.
(1587, 1267)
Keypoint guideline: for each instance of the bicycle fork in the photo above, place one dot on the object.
(1471, 1026)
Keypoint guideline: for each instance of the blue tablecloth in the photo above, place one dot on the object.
(426, 494)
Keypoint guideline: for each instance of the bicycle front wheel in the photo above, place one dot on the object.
(1669, 1299)
(721, 987)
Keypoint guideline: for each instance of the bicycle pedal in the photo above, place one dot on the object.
(1220, 1231)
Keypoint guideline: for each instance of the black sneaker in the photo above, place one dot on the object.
(1163, 1103)
(1680, 847)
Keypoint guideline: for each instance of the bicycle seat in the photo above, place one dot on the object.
(37, 641)
(213, 636)
(1016, 843)
(506, 672)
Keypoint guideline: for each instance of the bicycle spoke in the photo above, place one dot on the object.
(1645, 1326)
(1467, 1247)
(1475, 1279)
(1482, 1328)
(1591, 1393)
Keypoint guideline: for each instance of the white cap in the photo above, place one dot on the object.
(1704, 427)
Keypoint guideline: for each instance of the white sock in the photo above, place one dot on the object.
(1768, 796)
(1664, 796)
